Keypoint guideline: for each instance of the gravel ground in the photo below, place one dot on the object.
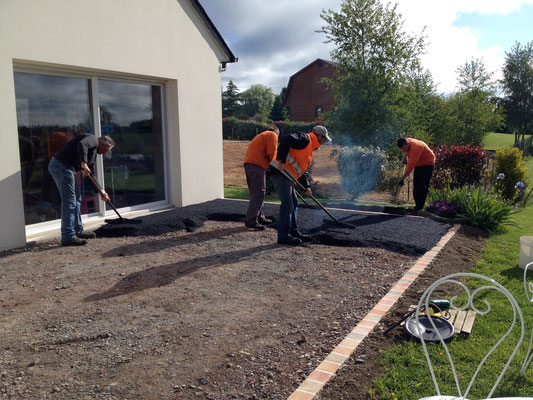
(221, 312)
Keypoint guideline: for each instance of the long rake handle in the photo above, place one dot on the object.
(97, 187)
(290, 177)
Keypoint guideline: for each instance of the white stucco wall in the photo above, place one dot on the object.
(163, 39)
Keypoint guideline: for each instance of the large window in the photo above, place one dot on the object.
(52, 109)
(131, 114)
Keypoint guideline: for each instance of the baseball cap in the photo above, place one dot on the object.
(322, 131)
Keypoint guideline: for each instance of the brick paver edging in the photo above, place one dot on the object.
(323, 373)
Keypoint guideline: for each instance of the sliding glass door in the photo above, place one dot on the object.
(131, 114)
(52, 109)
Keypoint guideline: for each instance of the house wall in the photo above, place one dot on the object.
(306, 92)
(162, 39)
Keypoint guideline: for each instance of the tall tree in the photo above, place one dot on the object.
(373, 56)
(518, 88)
(278, 112)
(257, 99)
(230, 100)
(473, 109)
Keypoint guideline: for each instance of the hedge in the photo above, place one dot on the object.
(235, 129)
(457, 166)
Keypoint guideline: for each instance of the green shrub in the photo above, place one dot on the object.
(482, 208)
(485, 210)
(236, 129)
(509, 169)
(359, 168)
(391, 171)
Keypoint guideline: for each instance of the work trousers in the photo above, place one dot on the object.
(256, 180)
(288, 210)
(421, 181)
(65, 179)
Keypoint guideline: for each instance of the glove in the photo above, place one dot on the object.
(400, 182)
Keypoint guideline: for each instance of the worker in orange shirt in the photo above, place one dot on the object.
(421, 159)
(261, 150)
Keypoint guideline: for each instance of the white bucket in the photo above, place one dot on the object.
(526, 251)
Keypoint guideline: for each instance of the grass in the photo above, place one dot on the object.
(495, 140)
(406, 373)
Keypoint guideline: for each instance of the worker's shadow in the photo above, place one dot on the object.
(166, 274)
(158, 245)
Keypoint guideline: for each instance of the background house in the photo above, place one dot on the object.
(145, 72)
(307, 97)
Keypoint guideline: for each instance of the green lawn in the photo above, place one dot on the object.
(495, 140)
(406, 374)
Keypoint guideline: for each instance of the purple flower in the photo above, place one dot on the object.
(500, 176)
(519, 185)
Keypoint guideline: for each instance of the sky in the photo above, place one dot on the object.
(275, 39)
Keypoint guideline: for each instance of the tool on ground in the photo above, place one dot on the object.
(122, 220)
(294, 180)
(429, 327)
(406, 315)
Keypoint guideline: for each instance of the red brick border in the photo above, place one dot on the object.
(327, 368)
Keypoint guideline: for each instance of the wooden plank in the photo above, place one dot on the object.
(453, 314)
(469, 322)
(458, 324)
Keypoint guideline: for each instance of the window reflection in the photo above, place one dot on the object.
(131, 114)
(50, 110)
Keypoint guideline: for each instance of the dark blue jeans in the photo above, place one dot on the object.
(288, 211)
(65, 179)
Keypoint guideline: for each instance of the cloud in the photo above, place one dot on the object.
(273, 40)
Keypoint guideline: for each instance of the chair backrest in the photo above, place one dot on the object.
(528, 288)
(487, 284)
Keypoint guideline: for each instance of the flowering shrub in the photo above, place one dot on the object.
(457, 166)
(480, 207)
(360, 169)
(442, 209)
(510, 174)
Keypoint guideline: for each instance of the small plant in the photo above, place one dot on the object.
(482, 208)
(509, 170)
(443, 210)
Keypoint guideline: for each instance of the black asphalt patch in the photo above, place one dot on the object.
(398, 233)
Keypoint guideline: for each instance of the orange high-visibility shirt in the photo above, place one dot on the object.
(299, 160)
(262, 149)
(419, 154)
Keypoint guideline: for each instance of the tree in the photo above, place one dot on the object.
(473, 109)
(230, 100)
(278, 112)
(373, 57)
(517, 85)
(257, 99)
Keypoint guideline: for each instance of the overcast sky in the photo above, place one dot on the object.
(274, 39)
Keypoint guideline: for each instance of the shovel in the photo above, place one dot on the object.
(292, 179)
(122, 220)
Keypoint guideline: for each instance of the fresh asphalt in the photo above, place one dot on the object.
(402, 234)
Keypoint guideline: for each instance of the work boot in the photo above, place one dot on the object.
(74, 242)
(263, 220)
(256, 227)
(291, 241)
(302, 237)
(86, 235)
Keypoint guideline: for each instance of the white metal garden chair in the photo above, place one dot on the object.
(487, 284)
(528, 288)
